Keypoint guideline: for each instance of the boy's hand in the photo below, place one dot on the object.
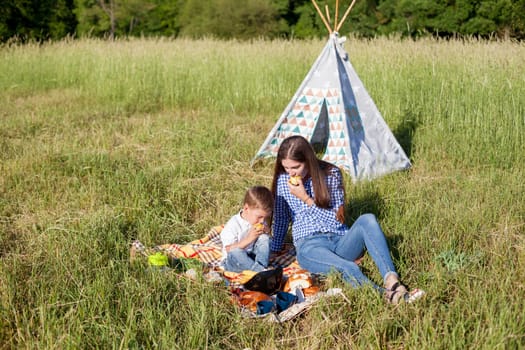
(253, 234)
(261, 228)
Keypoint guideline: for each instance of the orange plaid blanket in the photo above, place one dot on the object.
(208, 250)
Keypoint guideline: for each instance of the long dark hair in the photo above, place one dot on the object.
(298, 149)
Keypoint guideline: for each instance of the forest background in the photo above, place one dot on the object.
(23, 20)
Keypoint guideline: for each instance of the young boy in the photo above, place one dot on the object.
(245, 237)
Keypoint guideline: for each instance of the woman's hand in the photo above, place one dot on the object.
(300, 192)
(297, 190)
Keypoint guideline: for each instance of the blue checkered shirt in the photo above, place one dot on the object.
(306, 220)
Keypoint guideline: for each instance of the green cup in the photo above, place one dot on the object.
(158, 259)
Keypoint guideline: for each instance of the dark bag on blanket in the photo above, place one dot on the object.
(268, 282)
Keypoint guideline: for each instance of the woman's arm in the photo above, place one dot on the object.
(320, 215)
(334, 182)
(281, 219)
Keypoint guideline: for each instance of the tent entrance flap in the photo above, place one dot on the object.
(321, 131)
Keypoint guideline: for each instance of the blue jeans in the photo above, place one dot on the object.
(257, 260)
(325, 252)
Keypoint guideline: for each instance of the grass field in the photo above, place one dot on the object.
(104, 142)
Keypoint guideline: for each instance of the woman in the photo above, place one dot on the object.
(315, 207)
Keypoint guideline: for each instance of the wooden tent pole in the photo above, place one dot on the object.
(336, 13)
(327, 14)
(344, 17)
(322, 17)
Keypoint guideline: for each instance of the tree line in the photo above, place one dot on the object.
(245, 19)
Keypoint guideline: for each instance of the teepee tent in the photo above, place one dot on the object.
(333, 110)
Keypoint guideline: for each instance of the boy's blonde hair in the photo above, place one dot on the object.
(259, 197)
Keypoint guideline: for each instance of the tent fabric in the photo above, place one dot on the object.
(333, 110)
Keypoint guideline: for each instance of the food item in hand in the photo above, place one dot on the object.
(294, 180)
(258, 226)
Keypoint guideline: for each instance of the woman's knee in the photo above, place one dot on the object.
(369, 223)
(367, 218)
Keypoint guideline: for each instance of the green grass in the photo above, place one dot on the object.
(104, 142)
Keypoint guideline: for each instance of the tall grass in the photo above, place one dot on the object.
(103, 142)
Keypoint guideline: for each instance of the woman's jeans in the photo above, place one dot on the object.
(257, 260)
(325, 252)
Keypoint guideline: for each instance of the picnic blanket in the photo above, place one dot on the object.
(208, 251)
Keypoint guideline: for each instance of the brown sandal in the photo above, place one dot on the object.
(397, 293)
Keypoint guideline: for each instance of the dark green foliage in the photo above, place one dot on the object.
(503, 18)
(36, 19)
(121, 18)
(226, 19)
